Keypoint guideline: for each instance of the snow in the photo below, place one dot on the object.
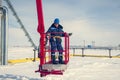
(93, 69)
(79, 68)
(20, 52)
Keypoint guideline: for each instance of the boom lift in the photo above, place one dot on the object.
(46, 67)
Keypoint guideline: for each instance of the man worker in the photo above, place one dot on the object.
(55, 32)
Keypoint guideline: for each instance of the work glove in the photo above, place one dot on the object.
(58, 37)
(70, 34)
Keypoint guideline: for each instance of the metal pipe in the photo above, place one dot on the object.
(110, 53)
(0, 32)
(0, 37)
(82, 52)
(3, 35)
(34, 55)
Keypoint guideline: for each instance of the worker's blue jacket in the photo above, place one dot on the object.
(56, 31)
(55, 42)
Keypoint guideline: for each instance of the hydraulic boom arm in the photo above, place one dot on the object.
(41, 30)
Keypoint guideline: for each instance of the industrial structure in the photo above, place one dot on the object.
(4, 31)
(20, 23)
(45, 66)
(3, 35)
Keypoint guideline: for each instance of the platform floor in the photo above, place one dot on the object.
(51, 67)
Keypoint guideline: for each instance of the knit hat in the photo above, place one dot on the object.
(56, 21)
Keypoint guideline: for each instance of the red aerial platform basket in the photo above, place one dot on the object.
(45, 67)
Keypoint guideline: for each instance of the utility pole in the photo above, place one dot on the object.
(3, 35)
(93, 43)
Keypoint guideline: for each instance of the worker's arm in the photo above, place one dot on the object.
(47, 36)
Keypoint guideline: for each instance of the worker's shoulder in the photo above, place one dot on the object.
(53, 26)
(60, 26)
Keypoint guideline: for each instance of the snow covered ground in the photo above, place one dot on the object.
(87, 68)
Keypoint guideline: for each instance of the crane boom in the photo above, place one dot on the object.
(41, 30)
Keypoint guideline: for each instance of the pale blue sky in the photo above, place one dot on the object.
(89, 20)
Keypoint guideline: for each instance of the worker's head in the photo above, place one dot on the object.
(56, 22)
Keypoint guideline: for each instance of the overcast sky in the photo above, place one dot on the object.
(89, 20)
